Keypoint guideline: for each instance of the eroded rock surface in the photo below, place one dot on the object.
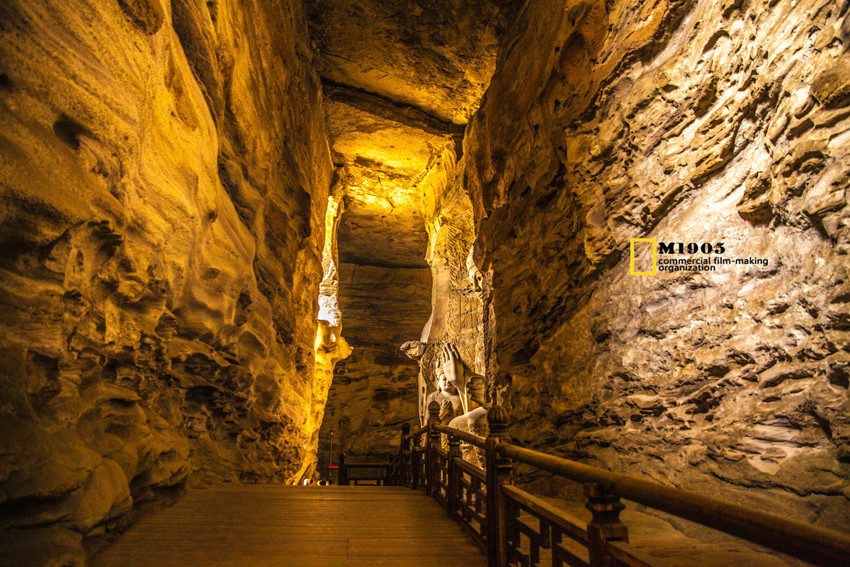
(374, 389)
(686, 121)
(165, 173)
(400, 82)
(434, 56)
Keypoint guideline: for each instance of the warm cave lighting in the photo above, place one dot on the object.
(328, 303)
(593, 258)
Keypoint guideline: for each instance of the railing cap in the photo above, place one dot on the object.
(498, 419)
(433, 412)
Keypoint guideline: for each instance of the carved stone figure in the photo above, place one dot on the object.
(472, 392)
(451, 366)
(475, 275)
(475, 420)
(329, 337)
(413, 349)
(451, 403)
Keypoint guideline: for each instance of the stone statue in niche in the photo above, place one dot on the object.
(472, 391)
(451, 403)
(329, 336)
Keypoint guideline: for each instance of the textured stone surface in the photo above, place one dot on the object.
(436, 56)
(164, 176)
(383, 224)
(384, 307)
(385, 152)
(374, 390)
(400, 81)
(687, 121)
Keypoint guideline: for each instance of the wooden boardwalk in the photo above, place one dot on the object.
(281, 526)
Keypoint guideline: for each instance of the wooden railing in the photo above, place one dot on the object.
(514, 525)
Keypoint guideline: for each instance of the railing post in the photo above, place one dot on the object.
(431, 468)
(605, 525)
(404, 456)
(414, 469)
(342, 472)
(498, 473)
(454, 474)
(416, 461)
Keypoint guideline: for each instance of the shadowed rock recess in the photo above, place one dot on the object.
(184, 182)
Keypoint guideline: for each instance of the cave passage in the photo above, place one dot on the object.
(396, 126)
(239, 238)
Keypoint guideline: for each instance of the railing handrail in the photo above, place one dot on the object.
(380, 471)
(788, 536)
(603, 489)
(470, 438)
(414, 434)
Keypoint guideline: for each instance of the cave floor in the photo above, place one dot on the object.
(342, 526)
(332, 526)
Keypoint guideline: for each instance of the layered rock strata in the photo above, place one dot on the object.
(165, 174)
(400, 81)
(687, 121)
(436, 57)
(374, 389)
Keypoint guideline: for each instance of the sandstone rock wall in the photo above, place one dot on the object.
(456, 297)
(164, 176)
(331, 346)
(374, 389)
(685, 121)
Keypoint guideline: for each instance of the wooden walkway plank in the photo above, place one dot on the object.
(280, 526)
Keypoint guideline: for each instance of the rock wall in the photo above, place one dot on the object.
(436, 56)
(165, 172)
(457, 316)
(692, 121)
(331, 346)
(374, 389)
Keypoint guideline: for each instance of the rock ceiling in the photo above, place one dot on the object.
(401, 79)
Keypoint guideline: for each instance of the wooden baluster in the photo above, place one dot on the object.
(476, 489)
(556, 546)
(415, 461)
(605, 525)
(342, 472)
(545, 533)
(513, 537)
(452, 486)
(432, 467)
(498, 473)
(403, 473)
(423, 440)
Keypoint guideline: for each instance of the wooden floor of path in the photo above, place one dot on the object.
(281, 526)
